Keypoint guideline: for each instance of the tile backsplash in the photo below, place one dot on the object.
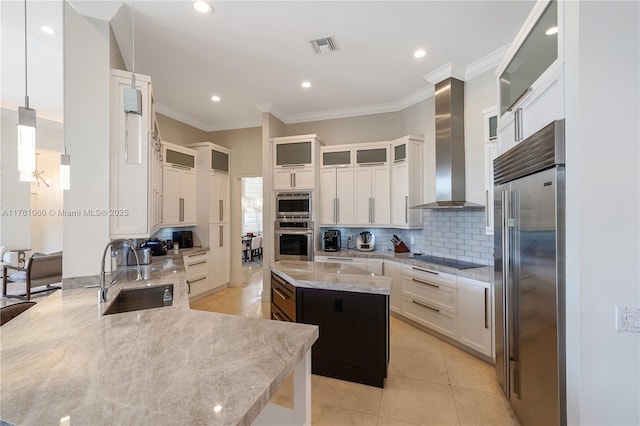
(446, 233)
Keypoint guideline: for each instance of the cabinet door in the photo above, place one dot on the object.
(328, 196)
(171, 196)
(362, 199)
(381, 195)
(220, 248)
(400, 194)
(490, 153)
(475, 303)
(375, 266)
(188, 192)
(352, 327)
(282, 179)
(394, 271)
(344, 196)
(219, 191)
(129, 177)
(294, 153)
(304, 178)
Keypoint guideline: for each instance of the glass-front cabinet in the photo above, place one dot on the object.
(538, 51)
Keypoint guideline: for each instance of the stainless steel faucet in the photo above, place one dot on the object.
(103, 287)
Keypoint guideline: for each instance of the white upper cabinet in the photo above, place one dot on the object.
(407, 181)
(336, 186)
(530, 79)
(179, 185)
(135, 192)
(294, 162)
(490, 120)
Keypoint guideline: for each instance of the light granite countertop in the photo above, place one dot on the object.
(331, 276)
(484, 273)
(65, 363)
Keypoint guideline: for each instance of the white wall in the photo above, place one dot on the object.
(479, 93)
(46, 230)
(603, 209)
(86, 130)
(15, 229)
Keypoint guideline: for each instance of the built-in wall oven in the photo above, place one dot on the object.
(294, 239)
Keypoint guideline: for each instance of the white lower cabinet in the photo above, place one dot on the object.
(394, 270)
(431, 299)
(475, 299)
(196, 268)
(220, 247)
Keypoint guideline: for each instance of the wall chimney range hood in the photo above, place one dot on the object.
(450, 173)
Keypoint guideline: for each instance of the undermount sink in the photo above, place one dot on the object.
(138, 299)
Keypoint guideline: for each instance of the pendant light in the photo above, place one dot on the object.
(26, 124)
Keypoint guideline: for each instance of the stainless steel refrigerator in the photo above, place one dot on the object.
(530, 276)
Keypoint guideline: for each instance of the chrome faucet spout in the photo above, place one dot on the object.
(103, 286)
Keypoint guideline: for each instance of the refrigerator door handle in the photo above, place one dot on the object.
(506, 314)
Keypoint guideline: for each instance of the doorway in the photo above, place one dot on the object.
(252, 221)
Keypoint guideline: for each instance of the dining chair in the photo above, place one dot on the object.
(256, 247)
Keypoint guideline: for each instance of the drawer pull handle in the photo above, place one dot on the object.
(347, 259)
(486, 316)
(197, 263)
(281, 294)
(424, 282)
(426, 306)
(425, 270)
(195, 281)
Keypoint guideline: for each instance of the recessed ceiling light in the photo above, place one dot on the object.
(306, 84)
(215, 98)
(47, 29)
(552, 31)
(202, 6)
(420, 53)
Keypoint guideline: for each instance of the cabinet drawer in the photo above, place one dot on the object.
(277, 314)
(197, 285)
(436, 295)
(432, 317)
(196, 267)
(283, 295)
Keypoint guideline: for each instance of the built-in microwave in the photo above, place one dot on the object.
(295, 205)
(294, 240)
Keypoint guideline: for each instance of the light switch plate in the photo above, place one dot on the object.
(627, 318)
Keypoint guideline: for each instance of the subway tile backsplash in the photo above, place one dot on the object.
(446, 233)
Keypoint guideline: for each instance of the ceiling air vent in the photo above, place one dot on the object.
(324, 45)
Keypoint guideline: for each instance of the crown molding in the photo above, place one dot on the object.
(233, 125)
(171, 113)
(445, 71)
(273, 110)
(486, 63)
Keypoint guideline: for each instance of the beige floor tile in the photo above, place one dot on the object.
(482, 408)
(418, 365)
(282, 400)
(418, 402)
(352, 396)
(383, 421)
(472, 373)
(329, 415)
(450, 350)
(406, 336)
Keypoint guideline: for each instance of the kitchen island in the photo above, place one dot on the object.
(63, 362)
(350, 306)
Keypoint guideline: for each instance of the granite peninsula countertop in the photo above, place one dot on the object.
(65, 363)
(484, 273)
(331, 276)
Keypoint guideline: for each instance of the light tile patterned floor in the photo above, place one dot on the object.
(430, 381)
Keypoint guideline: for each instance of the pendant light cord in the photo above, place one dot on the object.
(26, 96)
(133, 44)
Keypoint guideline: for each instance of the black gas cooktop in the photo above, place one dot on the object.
(452, 263)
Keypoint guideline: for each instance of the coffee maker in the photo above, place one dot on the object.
(331, 240)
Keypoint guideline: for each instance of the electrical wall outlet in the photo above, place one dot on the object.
(627, 318)
(412, 240)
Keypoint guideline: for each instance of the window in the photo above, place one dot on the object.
(252, 205)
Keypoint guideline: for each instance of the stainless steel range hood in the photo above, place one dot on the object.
(450, 186)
